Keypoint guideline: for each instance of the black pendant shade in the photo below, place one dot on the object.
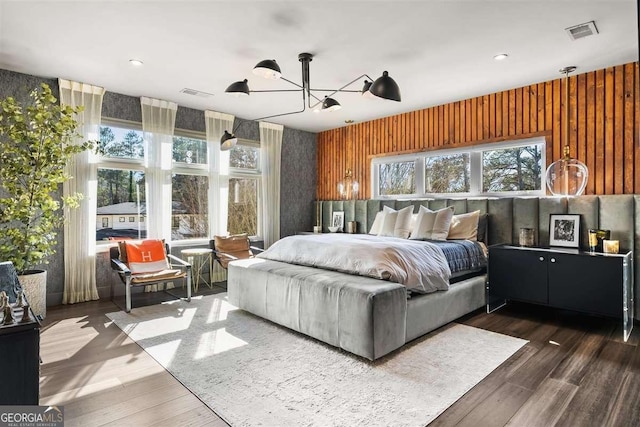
(385, 87)
(227, 141)
(268, 69)
(330, 104)
(238, 88)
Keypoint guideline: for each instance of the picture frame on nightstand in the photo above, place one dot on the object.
(564, 230)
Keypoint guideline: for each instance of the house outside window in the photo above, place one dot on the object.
(507, 168)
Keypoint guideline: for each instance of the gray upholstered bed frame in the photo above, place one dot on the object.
(371, 318)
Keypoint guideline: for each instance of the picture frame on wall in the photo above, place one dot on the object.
(564, 230)
(338, 220)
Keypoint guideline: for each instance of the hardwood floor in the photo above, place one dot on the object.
(575, 371)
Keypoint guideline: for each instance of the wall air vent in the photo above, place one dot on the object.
(196, 93)
(581, 31)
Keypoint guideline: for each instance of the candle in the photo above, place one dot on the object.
(611, 246)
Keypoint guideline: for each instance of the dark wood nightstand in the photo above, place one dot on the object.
(592, 283)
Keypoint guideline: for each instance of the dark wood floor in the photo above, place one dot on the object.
(575, 371)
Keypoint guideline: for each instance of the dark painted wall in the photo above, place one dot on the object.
(298, 171)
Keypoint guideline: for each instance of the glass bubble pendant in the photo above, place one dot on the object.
(567, 176)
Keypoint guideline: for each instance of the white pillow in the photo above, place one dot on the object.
(389, 222)
(403, 223)
(432, 225)
(377, 223)
(464, 226)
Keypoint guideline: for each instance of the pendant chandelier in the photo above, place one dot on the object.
(348, 188)
(567, 176)
(383, 87)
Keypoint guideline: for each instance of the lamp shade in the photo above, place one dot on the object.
(385, 87)
(330, 104)
(268, 69)
(238, 88)
(227, 141)
(365, 92)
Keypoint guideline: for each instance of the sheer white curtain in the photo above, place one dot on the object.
(216, 124)
(270, 155)
(80, 227)
(158, 124)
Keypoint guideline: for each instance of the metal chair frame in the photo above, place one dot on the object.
(125, 274)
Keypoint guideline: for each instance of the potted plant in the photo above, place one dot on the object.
(37, 138)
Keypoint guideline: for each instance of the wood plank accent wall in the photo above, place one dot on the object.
(603, 133)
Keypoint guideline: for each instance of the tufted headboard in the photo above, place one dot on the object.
(618, 213)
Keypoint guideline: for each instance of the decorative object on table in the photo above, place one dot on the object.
(564, 230)
(39, 129)
(3, 300)
(352, 227)
(8, 315)
(20, 299)
(383, 87)
(337, 221)
(527, 237)
(26, 317)
(348, 188)
(610, 246)
(334, 229)
(566, 176)
(596, 237)
(317, 229)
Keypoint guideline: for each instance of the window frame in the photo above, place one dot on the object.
(243, 173)
(476, 170)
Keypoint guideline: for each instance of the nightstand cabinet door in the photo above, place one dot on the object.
(590, 284)
(518, 275)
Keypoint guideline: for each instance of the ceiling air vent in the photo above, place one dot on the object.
(196, 93)
(583, 30)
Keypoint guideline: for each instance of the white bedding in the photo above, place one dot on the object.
(418, 265)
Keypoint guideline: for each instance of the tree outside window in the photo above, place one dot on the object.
(512, 169)
(397, 178)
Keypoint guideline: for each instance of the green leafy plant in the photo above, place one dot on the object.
(37, 140)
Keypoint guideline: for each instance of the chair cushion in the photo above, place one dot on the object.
(146, 256)
(229, 248)
(158, 276)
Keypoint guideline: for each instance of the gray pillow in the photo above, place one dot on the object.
(483, 228)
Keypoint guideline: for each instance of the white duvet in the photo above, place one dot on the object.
(416, 264)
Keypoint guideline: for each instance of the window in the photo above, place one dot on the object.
(512, 169)
(243, 206)
(189, 206)
(447, 174)
(244, 188)
(397, 178)
(497, 168)
(120, 194)
(189, 150)
(121, 186)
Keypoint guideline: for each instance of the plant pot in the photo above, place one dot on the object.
(34, 284)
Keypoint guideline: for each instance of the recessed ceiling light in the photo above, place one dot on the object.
(135, 62)
(501, 56)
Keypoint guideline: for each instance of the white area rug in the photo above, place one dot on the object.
(252, 372)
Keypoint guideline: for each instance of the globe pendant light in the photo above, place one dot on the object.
(348, 188)
(567, 176)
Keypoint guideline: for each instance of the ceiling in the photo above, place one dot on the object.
(437, 51)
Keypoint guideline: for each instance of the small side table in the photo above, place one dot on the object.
(198, 258)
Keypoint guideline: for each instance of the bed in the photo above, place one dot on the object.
(365, 294)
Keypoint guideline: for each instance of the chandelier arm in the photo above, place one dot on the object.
(336, 90)
(276, 90)
(304, 107)
(339, 90)
(296, 84)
